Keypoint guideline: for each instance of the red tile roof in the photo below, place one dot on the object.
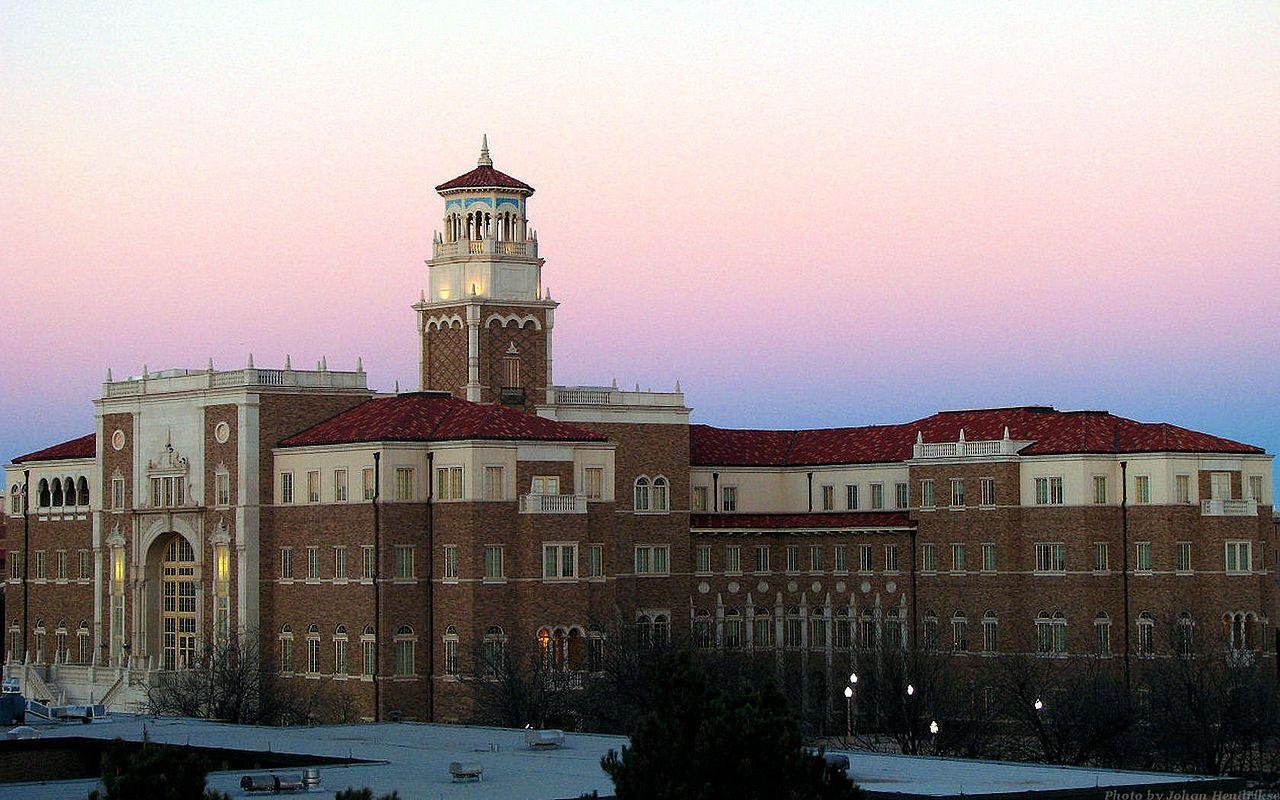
(1051, 432)
(815, 521)
(485, 177)
(435, 417)
(84, 447)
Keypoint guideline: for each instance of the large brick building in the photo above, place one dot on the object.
(395, 544)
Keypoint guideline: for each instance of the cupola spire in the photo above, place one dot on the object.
(484, 161)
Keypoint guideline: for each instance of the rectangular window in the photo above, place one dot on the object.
(366, 483)
(495, 483)
(222, 489)
(368, 562)
(890, 558)
(1184, 557)
(493, 562)
(1100, 490)
(877, 496)
(313, 563)
(729, 498)
(762, 558)
(340, 486)
(595, 560)
(987, 491)
(340, 563)
(926, 493)
(957, 558)
(404, 562)
(1255, 488)
(62, 565)
(560, 560)
(988, 557)
(593, 477)
(851, 496)
(700, 498)
(1049, 491)
(1143, 563)
(1051, 557)
(828, 498)
(733, 558)
(340, 658)
(643, 558)
(841, 564)
(1239, 558)
(313, 486)
(815, 558)
(86, 565)
(902, 495)
(117, 495)
(957, 493)
(653, 559)
(928, 558)
(286, 563)
(1182, 488)
(1142, 489)
(368, 654)
(451, 562)
(286, 488)
(1100, 557)
(15, 565)
(404, 483)
(864, 558)
(702, 558)
(793, 558)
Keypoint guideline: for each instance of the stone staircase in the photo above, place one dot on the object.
(82, 684)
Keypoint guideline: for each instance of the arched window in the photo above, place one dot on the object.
(793, 629)
(892, 632)
(313, 649)
(16, 654)
(1102, 635)
(703, 636)
(85, 655)
(1051, 633)
(931, 630)
(661, 629)
(735, 632)
(60, 642)
(404, 641)
(495, 651)
(818, 629)
(641, 494)
(595, 649)
(1237, 630)
(286, 648)
(55, 498)
(990, 626)
(451, 650)
(1184, 635)
(866, 630)
(82, 491)
(644, 631)
(68, 492)
(843, 630)
(762, 629)
(40, 633)
(661, 499)
(15, 500)
(340, 644)
(959, 632)
(368, 652)
(1146, 634)
(42, 494)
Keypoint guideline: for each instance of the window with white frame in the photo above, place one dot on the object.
(560, 560)
(865, 558)
(1051, 557)
(494, 568)
(928, 557)
(340, 486)
(877, 496)
(762, 558)
(313, 650)
(959, 632)
(661, 500)
(841, 564)
(1049, 491)
(702, 559)
(1239, 557)
(828, 498)
(1255, 488)
(987, 488)
(221, 490)
(793, 558)
(494, 651)
(640, 494)
(957, 558)
(404, 562)
(86, 565)
(1051, 634)
(1100, 490)
(367, 488)
(1143, 557)
(593, 480)
(990, 627)
(1146, 635)
(595, 561)
(340, 563)
(170, 491)
(405, 642)
(901, 495)
(851, 496)
(651, 559)
(450, 562)
(313, 563)
(729, 498)
(1100, 557)
(286, 649)
(286, 488)
(1182, 563)
(1102, 635)
(286, 563)
(117, 496)
(988, 557)
(1142, 488)
(890, 558)
(927, 490)
(368, 562)
(368, 652)
(448, 483)
(733, 559)
(815, 558)
(957, 493)
(313, 486)
(404, 483)
(1182, 489)
(451, 650)
(340, 642)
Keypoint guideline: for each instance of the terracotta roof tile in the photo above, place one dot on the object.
(485, 177)
(83, 447)
(435, 417)
(823, 520)
(1051, 432)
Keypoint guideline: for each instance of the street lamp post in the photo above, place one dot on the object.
(933, 732)
(848, 714)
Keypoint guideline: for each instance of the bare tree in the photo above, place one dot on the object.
(517, 685)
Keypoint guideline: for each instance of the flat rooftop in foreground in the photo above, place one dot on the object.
(414, 759)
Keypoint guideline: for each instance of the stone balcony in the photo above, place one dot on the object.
(1229, 508)
(553, 504)
(486, 247)
(963, 448)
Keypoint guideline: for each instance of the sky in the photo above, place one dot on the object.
(808, 214)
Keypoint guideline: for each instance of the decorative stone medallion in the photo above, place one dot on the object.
(222, 432)
(117, 440)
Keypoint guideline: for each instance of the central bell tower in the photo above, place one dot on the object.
(485, 322)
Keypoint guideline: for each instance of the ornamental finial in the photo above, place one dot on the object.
(484, 161)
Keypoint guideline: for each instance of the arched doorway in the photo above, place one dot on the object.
(178, 592)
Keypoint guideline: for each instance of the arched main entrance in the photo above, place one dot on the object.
(178, 592)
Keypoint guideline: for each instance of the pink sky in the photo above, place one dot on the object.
(809, 215)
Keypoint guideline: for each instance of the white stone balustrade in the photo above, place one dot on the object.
(176, 380)
(482, 247)
(962, 448)
(553, 504)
